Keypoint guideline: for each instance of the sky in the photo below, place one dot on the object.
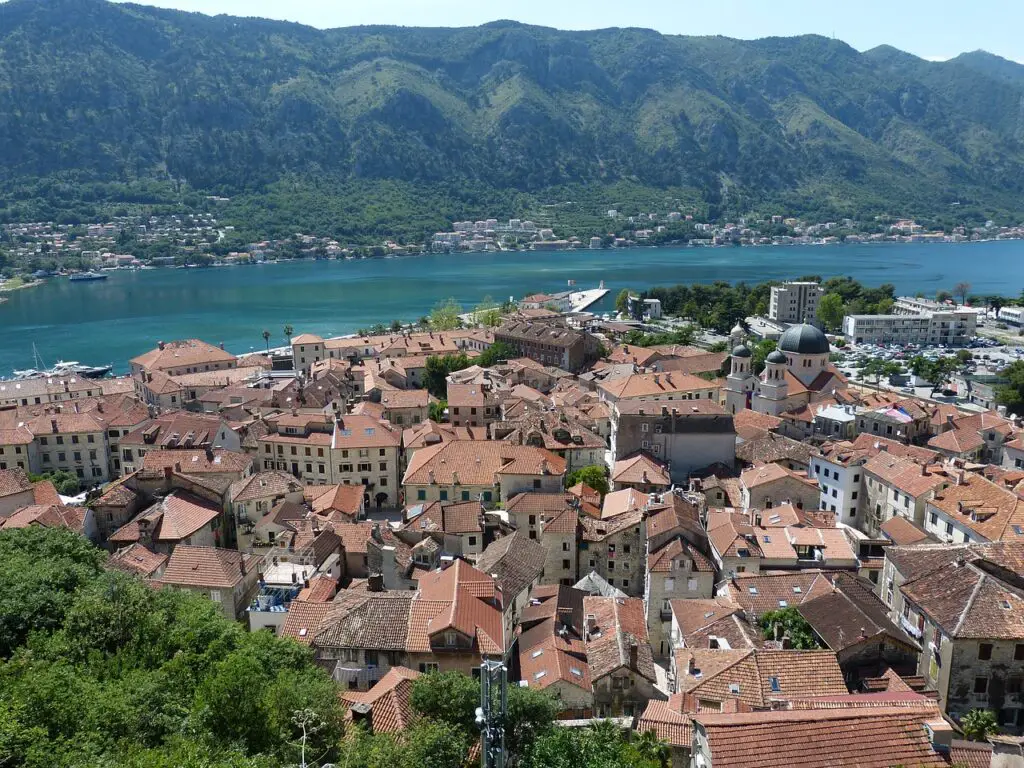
(932, 29)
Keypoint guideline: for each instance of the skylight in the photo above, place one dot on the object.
(783, 604)
(539, 675)
(537, 653)
(752, 590)
(734, 687)
(774, 681)
(767, 539)
(577, 672)
(797, 590)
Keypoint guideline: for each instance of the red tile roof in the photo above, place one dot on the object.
(207, 567)
(856, 737)
(389, 701)
(621, 624)
(137, 559)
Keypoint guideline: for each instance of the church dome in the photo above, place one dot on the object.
(777, 358)
(738, 329)
(741, 350)
(804, 340)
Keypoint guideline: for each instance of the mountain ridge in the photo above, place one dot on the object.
(97, 93)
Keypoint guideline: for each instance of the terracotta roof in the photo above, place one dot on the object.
(44, 492)
(970, 754)
(671, 720)
(771, 449)
(770, 473)
(692, 615)
(967, 602)
(904, 474)
(173, 518)
(980, 505)
(180, 354)
(850, 614)
(641, 469)
(757, 676)
(321, 589)
(354, 431)
(347, 499)
(263, 484)
(751, 424)
(198, 462)
(479, 463)
(757, 594)
(405, 398)
(600, 530)
(661, 560)
(535, 503)
(546, 663)
(306, 338)
(864, 737)
(389, 701)
(207, 567)
(14, 481)
(368, 620)
(136, 559)
(957, 441)
(654, 385)
(620, 502)
(673, 513)
(621, 624)
(47, 516)
(900, 530)
(304, 619)
(515, 560)
(454, 518)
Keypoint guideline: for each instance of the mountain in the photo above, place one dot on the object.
(102, 101)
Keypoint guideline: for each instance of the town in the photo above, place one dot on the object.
(36, 250)
(723, 545)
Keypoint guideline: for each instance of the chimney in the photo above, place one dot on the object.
(691, 666)
(949, 420)
(591, 623)
(634, 651)
(375, 582)
(167, 473)
(160, 345)
(241, 563)
(177, 467)
(53, 426)
(940, 734)
(209, 453)
(362, 713)
(924, 470)
(221, 345)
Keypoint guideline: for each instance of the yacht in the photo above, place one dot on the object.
(84, 276)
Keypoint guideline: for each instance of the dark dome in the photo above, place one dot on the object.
(777, 357)
(741, 350)
(804, 340)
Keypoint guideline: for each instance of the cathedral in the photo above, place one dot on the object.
(796, 374)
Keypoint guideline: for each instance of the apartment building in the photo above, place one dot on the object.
(549, 343)
(897, 486)
(74, 443)
(795, 302)
(686, 436)
(951, 328)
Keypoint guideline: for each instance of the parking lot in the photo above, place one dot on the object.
(989, 357)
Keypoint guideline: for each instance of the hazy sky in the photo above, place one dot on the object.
(934, 29)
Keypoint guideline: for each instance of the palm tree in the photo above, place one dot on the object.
(288, 331)
(652, 748)
(266, 338)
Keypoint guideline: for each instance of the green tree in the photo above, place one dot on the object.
(396, 326)
(943, 296)
(494, 354)
(787, 622)
(878, 368)
(288, 333)
(1011, 394)
(962, 289)
(622, 301)
(830, 311)
(40, 571)
(448, 697)
(266, 338)
(445, 315)
(437, 410)
(436, 370)
(593, 475)
(979, 724)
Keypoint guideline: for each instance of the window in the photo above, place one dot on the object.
(670, 584)
(691, 585)
(421, 495)
(536, 483)
(981, 685)
(465, 495)
(984, 651)
(1018, 652)
(215, 595)
(565, 565)
(428, 666)
(565, 546)
(472, 541)
(444, 495)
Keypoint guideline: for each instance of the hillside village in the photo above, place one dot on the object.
(660, 535)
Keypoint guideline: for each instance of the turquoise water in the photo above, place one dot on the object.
(114, 320)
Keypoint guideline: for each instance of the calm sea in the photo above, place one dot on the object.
(116, 319)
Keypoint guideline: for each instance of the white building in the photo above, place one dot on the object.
(795, 302)
(952, 328)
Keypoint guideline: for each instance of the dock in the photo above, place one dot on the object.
(580, 300)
